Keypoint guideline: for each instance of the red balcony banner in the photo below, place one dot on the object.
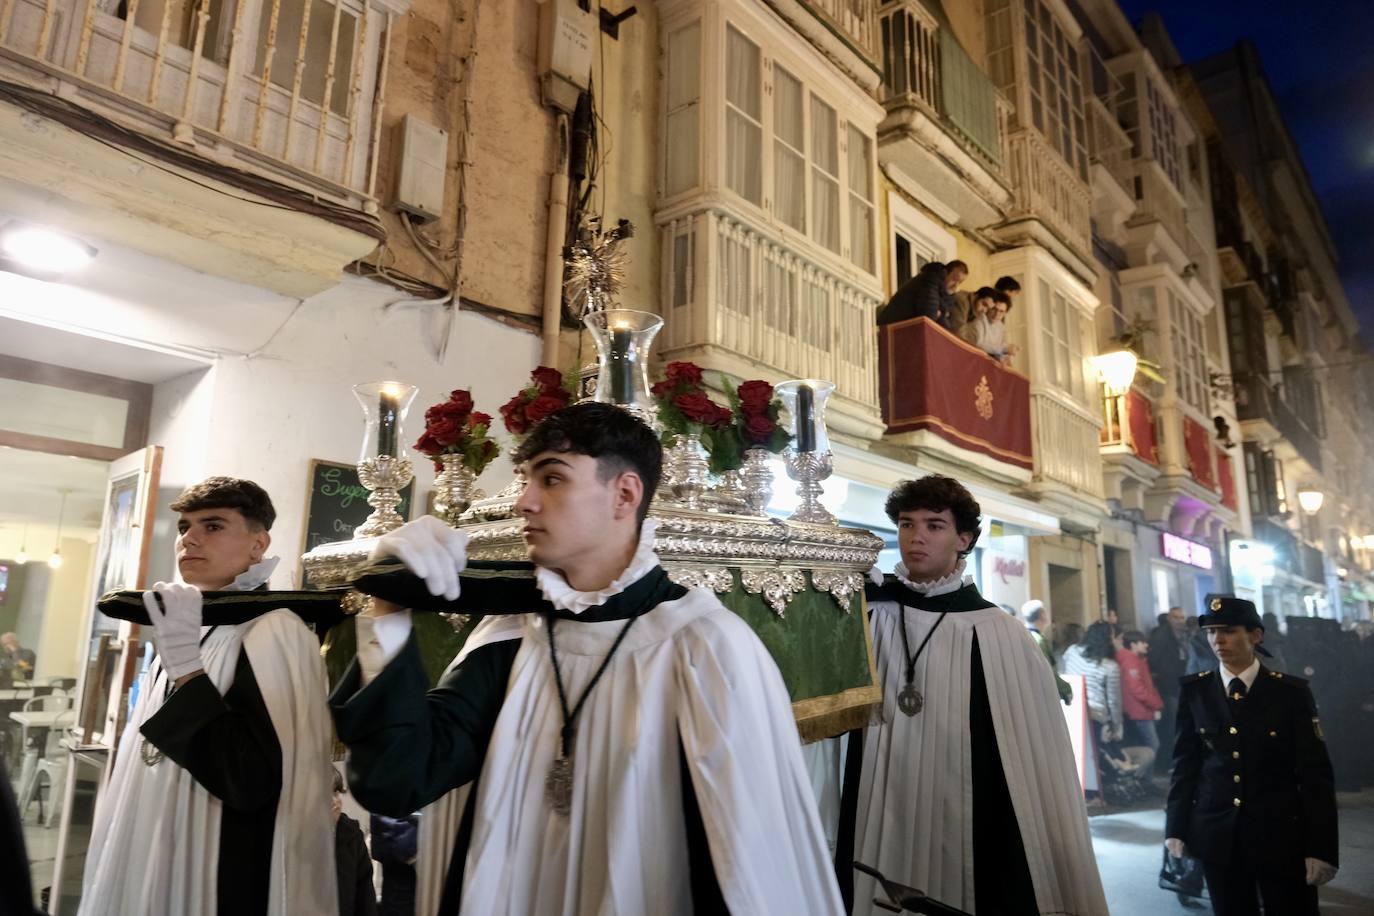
(1140, 414)
(1198, 444)
(1227, 481)
(931, 380)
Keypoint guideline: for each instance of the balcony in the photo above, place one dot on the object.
(1256, 401)
(1240, 260)
(1109, 145)
(276, 98)
(1130, 427)
(1158, 201)
(946, 121)
(854, 19)
(1066, 447)
(737, 300)
(940, 395)
(1047, 190)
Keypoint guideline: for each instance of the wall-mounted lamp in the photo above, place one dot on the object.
(1311, 500)
(1116, 371)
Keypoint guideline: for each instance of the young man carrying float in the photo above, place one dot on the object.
(219, 799)
(633, 748)
(965, 787)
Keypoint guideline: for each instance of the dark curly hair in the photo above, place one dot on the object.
(250, 500)
(617, 439)
(936, 493)
(1097, 642)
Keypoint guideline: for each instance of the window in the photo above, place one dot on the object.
(743, 117)
(1163, 133)
(1056, 87)
(825, 175)
(789, 150)
(1063, 331)
(1190, 361)
(860, 151)
(683, 104)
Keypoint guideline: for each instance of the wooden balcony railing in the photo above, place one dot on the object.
(1066, 446)
(855, 19)
(1047, 189)
(284, 88)
(926, 67)
(1130, 423)
(1255, 400)
(1109, 144)
(932, 380)
(731, 286)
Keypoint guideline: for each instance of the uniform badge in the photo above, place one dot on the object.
(1317, 728)
(1216, 604)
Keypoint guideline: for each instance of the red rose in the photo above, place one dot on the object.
(698, 408)
(541, 407)
(426, 445)
(754, 396)
(477, 418)
(513, 416)
(445, 431)
(758, 429)
(546, 379)
(662, 389)
(684, 373)
(460, 401)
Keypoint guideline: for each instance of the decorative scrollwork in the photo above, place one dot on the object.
(776, 585)
(457, 621)
(717, 579)
(841, 584)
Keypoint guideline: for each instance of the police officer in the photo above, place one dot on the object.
(1252, 793)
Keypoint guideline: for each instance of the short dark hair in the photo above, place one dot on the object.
(1002, 297)
(1131, 637)
(616, 438)
(956, 265)
(250, 500)
(936, 493)
(1008, 285)
(985, 292)
(1097, 641)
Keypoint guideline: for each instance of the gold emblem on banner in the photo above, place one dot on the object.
(982, 398)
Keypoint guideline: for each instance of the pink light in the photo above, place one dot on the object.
(1182, 550)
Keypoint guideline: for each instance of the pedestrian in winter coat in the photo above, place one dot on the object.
(929, 294)
(1141, 703)
(1095, 659)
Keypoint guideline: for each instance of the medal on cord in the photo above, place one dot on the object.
(909, 700)
(558, 785)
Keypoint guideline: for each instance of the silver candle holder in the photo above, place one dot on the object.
(808, 459)
(382, 465)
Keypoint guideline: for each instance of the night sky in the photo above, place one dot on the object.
(1319, 57)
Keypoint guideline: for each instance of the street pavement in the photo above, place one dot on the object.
(1129, 847)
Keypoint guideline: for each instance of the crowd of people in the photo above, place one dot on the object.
(977, 316)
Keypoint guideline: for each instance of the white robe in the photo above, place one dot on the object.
(154, 847)
(689, 671)
(915, 811)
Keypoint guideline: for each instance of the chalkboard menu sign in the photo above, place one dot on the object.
(336, 503)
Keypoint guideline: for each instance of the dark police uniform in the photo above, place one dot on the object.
(1252, 793)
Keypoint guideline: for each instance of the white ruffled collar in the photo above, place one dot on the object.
(950, 583)
(563, 596)
(254, 576)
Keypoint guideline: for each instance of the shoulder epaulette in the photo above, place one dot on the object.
(1198, 676)
(1280, 678)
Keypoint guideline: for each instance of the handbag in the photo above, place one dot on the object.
(1182, 876)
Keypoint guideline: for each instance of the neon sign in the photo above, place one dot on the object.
(1183, 550)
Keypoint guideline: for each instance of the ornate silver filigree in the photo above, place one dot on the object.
(717, 579)
(454, 489)
(808, 469)
(840, 583)
(757, 479)
(776, 585)
(457, 621)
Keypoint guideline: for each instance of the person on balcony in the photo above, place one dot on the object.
(964, 301)
(964, 784)
(929, 294)
(988, 329)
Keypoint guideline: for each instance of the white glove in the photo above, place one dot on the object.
(430, 549)
(1319, 872)
(1175, 847)
(177, 629)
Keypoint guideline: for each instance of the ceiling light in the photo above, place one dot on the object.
(42, 250)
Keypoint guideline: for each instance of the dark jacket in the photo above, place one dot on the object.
(923, 296)
(1254, 786)
(1168, 658)
(354, 865)
(1200, 654)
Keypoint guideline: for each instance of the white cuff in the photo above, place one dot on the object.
(380, 639)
